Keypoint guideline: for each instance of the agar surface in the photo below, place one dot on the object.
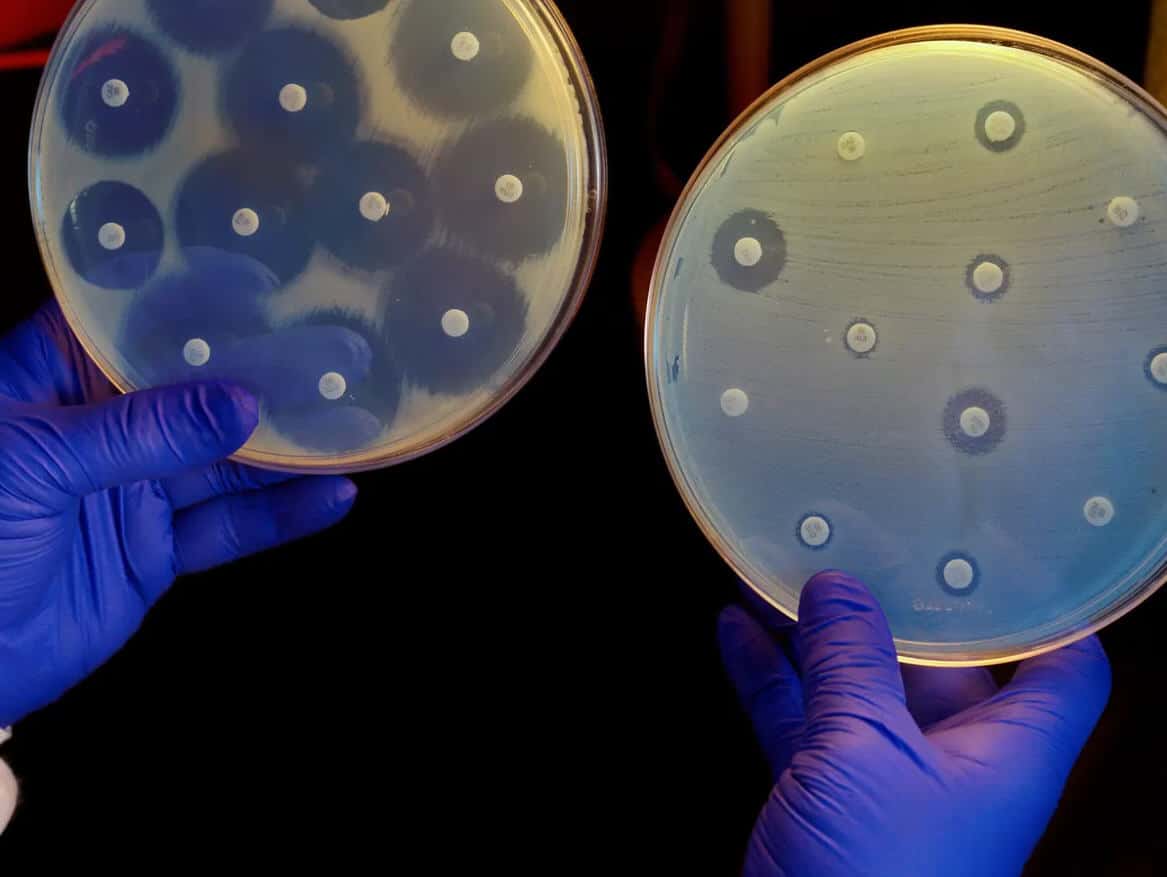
(330, 165)
(985, 249)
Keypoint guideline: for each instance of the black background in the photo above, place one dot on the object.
(505, 660)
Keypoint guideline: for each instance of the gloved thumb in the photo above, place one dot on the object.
(1048, 711)
(848, 657)
(58, 454)
(7, 796)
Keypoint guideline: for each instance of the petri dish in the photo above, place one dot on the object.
(378, 215)
(909, 320)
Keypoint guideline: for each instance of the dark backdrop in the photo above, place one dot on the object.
(505, 660)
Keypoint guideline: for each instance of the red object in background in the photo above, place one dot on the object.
(22, 22)
(27, 60)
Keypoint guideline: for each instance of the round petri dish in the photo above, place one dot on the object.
(909, 320)
(378, 215)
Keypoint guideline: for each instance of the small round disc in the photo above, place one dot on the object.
(275, 193)
(988, 277)
(849, 374)
(814, 531)
(852, 146)
(862, 338)
(1000, 126)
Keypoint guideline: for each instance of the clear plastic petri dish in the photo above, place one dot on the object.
(380, 216)
(909, 320)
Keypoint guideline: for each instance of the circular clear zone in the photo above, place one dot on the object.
(372, 206)
(454, 321)
(749, 250)
(210, 27)
(293, 90)
(246, 203)
(379, 216)
(851, 374)
(347, 10)
(503, 187)
(119, 92)
(112, 235)
(196, 323)
(347, 391)
(460, 58)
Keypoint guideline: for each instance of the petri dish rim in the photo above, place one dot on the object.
(1106, 608)
(595, 162)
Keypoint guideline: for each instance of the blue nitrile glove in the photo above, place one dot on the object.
(908, 773)
(105, 499)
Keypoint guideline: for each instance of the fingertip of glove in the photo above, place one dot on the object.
(834, 591)
(346, 493)
(732, 619)
(234, 410)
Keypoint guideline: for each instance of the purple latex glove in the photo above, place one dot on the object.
(883, 770)
(105, 499)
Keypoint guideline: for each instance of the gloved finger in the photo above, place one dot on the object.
(8, 794)
(56, 454)
(779, 625)
(285, 367)
(226, 529)
(766, 613)
(1050, 707)
(221, 479)
(766, 683)
(211, 322)
(849, 665)
(935, 694)
(41, 362)
(340, 430)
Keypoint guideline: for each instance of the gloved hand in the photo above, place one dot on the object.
(887, 771)
(105, 499)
